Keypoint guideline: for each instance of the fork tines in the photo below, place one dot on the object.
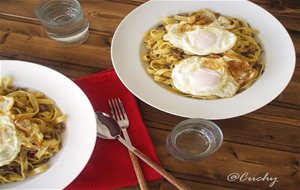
(117, 109)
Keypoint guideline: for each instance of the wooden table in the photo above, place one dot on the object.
(264, 142)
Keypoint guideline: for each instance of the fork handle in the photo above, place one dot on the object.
(136, 165)
(155, 166)
(138, 171)
(161, 171)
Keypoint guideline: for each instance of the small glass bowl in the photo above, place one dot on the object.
(194, 139)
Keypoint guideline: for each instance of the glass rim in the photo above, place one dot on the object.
(47, 23)
(201, 155)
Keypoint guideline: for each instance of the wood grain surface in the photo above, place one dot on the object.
(266, 141)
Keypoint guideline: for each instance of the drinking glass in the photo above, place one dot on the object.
(194, 139)
(64, 21)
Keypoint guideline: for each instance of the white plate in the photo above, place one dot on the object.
(127, 48)
(80, 135)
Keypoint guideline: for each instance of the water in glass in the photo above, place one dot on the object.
(64, 20)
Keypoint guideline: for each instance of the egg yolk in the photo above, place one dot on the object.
(205, 78)
(204, 38)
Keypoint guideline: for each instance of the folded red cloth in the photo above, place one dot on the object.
(110, 166)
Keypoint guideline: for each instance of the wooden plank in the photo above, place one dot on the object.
(291, 94)
(26, 39)
(280, 5)
(165, 185)
(103, 16)
(234, 158)
(196, 185)
(256, 129)
(276, 114)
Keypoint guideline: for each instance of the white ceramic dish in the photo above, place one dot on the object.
(127, 48)
(80, 135)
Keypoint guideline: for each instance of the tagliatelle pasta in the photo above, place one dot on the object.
(245, 56)
(38, 124)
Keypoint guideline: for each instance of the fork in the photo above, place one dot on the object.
(118, 112)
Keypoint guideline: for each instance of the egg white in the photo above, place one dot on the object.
(9, 142)
(202, 40)
(5, 104)
(183, 78)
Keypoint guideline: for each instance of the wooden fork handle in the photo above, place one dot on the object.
(161, 171)
(155, 166)
(136, 165)
(138, 171)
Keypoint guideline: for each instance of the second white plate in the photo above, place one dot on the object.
(127, 47)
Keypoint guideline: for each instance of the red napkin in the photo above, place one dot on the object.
(110, 165)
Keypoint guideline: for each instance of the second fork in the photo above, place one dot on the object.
(118, 112)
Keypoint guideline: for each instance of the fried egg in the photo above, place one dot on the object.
(201, 76)
(222, 23)
(202, 40)
(6, 104)
(9, 142)
(240, 69)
